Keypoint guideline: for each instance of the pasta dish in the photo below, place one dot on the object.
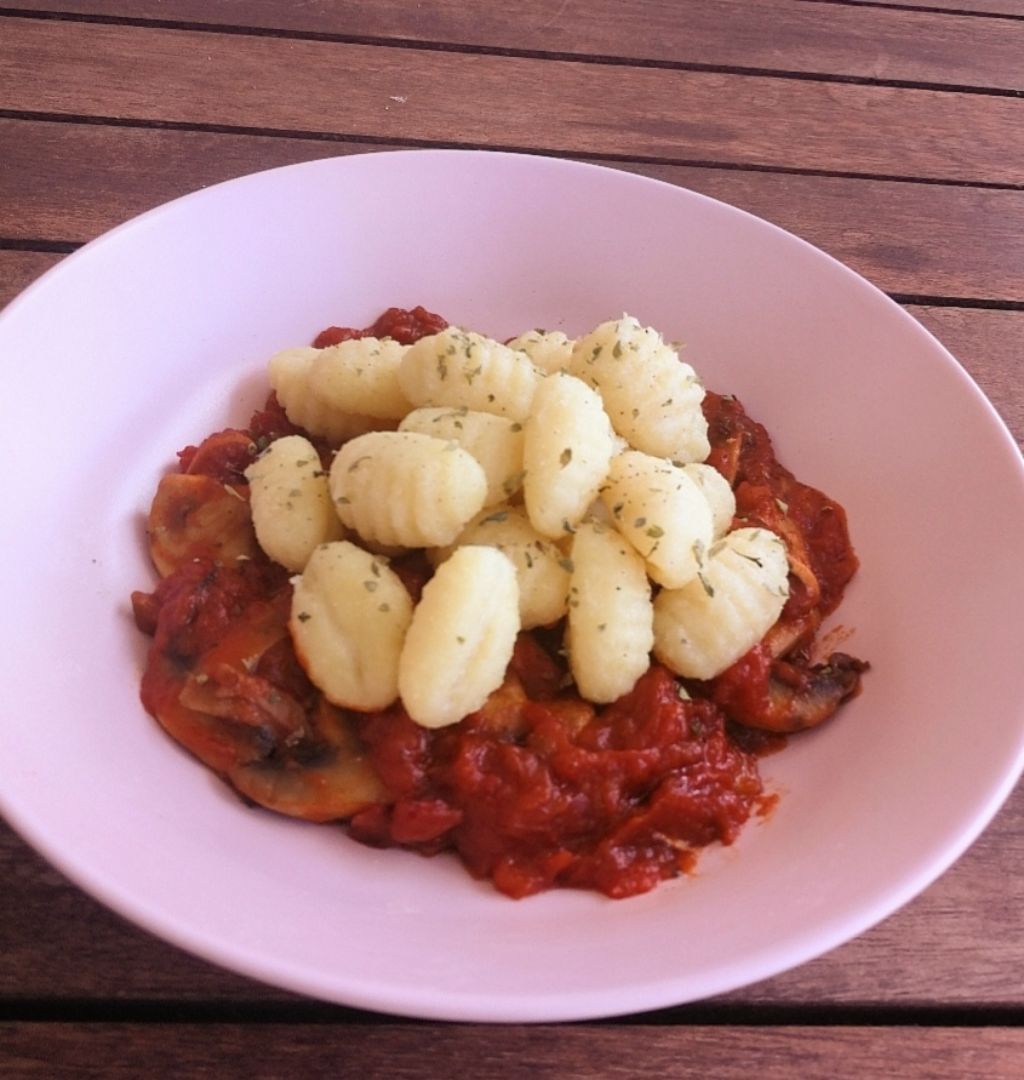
(543, 603)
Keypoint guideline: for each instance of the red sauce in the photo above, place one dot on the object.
(405, 326)
(768, 494)
(558, 793)
(209, 619)
(225, 456)
(539, 788)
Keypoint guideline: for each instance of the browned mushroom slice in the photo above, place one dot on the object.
(803, 697)
(198, 517)
(326, 776)
(785, 696)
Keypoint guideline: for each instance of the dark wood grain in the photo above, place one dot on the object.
(18, 269)
(398, 1052)
(560, 106)
(990, 345)
(920, 239)
(879, 43)
(894, 233)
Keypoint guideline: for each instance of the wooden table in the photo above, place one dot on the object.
(889, 134)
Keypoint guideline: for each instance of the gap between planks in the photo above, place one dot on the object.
(986, 9)
(299, 1011)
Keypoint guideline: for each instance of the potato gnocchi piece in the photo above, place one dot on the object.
(549, 350)
(461, 637)
(718, 492)
(566, 453)
(350, 613)
(495, 441)
(663, 514)
(290, 378)
(290, 502)
(461, 368)
(610, 630)
(542, 571)
(652, 397)
(704, 627)
(360, 376)
(406, 489)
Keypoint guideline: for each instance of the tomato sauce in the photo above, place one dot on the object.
(768, 494)
(404, 326)
(538, 788)
(554, 792)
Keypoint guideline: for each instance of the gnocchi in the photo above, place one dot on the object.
(542, 571)
(460, 368)
(718, 492)
(291, 379)
(550, 350)
(461, 637)
(611, 618)
(350, 613)
(290, 502)
(566, 453)
(360, 376)
(652, 397)
(605, 438)
(495, 441)
(706, 626)
(406, 489)
(662, 513)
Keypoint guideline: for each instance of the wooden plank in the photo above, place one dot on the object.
(99, 176)
(367, 91)
(958, 944)
(401, 1051)
(769, 35)
(19, 269)
(990, 345)
(920, 239)
(971, 7)
(894, 233)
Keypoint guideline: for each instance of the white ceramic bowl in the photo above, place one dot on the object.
(158, 333)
